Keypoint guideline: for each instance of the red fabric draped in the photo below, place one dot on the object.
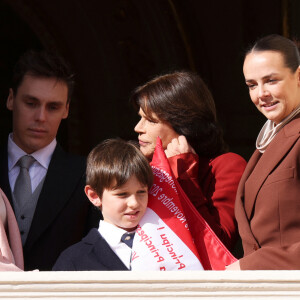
(212, 253)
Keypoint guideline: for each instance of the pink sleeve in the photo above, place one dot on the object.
(11, 251)
(215, 199)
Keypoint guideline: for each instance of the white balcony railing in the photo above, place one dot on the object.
(151, 285)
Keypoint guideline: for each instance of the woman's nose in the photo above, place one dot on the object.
(139, 127)
(263, 92)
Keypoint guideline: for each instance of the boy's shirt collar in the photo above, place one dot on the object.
(111, 233)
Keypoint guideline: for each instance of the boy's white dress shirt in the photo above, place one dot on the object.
(112, 234)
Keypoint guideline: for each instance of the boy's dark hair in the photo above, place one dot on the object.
(113, 162)
(42, 64)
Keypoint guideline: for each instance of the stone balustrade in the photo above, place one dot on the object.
(151, 285)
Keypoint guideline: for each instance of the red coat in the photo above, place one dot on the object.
(211, 185)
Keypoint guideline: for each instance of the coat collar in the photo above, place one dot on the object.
(260, 166)
(101, 253)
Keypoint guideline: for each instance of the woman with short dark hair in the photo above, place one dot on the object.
(179, 108)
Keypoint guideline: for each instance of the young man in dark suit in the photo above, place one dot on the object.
(118, 179)
(44, 184)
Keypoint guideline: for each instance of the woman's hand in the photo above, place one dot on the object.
(179, 146)
(234, 267)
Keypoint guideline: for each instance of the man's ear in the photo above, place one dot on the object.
(92, 195)
(10, 100)
(66, 113)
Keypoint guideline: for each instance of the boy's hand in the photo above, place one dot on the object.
(179, 146)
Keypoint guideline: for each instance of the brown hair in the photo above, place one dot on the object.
(43, 64)
(278, 43)
(183, 100)
(111, 164)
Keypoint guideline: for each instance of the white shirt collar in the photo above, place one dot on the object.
(43, 156)
(111, 233)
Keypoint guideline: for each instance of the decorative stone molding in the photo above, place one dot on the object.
(151, 285)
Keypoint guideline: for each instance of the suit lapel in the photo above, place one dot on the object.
(102, 254)
(248, 170)
(241, 217)
(53, 196)
(275, 152)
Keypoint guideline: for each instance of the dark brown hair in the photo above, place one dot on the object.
(183, 100)
(113, 162)
(278, 43)
(42, 64)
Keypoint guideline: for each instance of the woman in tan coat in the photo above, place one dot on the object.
(268, 198)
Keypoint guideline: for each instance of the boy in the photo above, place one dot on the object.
(118, 179)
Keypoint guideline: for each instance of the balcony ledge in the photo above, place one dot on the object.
(151, 285)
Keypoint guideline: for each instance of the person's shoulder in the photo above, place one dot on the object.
(230, 161)
(228, 157)
(59, 151)
(77, 251)
(292, 128)
(92, 237)
(87, 241)
(3, 214)
(69, 160)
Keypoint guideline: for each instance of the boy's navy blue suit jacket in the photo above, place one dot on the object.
(92, 253)
(63, 215)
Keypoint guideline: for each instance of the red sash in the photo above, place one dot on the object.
(182, 217)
